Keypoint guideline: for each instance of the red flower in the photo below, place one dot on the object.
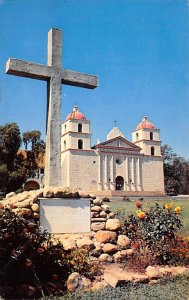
(136, 245)
(40, 250)
(138, 204)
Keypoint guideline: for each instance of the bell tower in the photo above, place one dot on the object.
(75, 132)
(147, 137)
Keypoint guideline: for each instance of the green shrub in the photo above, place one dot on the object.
(29, 258)
(153, 231)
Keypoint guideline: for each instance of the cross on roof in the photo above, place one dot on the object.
(55, 76)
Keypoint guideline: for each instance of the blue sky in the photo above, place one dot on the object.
(138, 48)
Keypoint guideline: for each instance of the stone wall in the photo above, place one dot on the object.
(103, 242)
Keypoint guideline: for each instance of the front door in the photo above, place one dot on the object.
(119, 183)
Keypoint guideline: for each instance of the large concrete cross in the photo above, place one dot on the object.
(55, 76)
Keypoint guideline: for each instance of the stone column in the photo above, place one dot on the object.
(99, 173)
(126, 183)
(133, 173)
(106, 181)
(139, 176)
(112, 173)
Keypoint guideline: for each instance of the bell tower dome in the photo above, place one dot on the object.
(75, 131)
(147, 137)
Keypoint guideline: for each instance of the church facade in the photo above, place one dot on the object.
(115, 166)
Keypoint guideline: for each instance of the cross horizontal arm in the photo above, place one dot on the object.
(79, 79)
(27, 69)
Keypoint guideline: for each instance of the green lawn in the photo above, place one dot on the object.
(127, 207)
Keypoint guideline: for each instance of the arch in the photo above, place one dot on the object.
(151, 136)
(152, 150)
(119, 183)
(31, 185)
(79, 127)
(80, 144)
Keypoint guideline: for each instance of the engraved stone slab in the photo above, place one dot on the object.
(65, 215)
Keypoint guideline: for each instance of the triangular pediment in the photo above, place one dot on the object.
(119, 143)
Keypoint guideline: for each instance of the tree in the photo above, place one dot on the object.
(16, 165)
(12, 171)
(176, 172)
(32, 139)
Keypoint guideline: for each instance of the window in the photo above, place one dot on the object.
(64, 145)
(65, 128)
(42, 171)
(151, 136)
(79, 127)
(136, 136)
(80, 144)
(152, 150)
(119, 161)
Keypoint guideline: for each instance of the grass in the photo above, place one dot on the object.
(167, 289)
(127, 207)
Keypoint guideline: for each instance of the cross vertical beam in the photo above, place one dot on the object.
(53, 126)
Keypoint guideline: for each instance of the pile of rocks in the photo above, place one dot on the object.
(114, 275)
(26, 204)
(104, 242)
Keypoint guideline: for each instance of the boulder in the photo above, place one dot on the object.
(24, 212)
(47, 193)
(128, 252)
(179, 270)
(105, 258)
(103, 214)
(9, 195)
(113, 224)
(109, 248)
(123, 241)
(77, 282)
(94, 214)
(96, 208)
(105, 208)
(122, 255)
(35, 207)
(98, 285)
(98, 250)
(69, 244)
(36, 215)
(83, 194)
(98, 220)
(97, 226)
(111, 215)
(24, 203)
(118, 257)
(153, 272)
(104, 236)
(115, 276)
(97, 201)
(85, 242)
